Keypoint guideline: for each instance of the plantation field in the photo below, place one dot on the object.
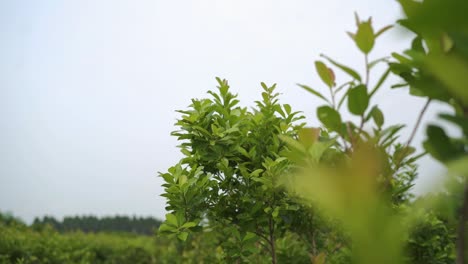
(21, 244)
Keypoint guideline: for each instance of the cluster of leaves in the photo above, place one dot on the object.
(432, 234)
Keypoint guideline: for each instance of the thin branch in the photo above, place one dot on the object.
(413, 133)
(366, 59)
(262, 236)
(350, 135)
(265, 246)
(272, 240)
(361, 127)
(332, 94)
(418, 122)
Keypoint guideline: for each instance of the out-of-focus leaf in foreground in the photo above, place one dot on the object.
(350, 194)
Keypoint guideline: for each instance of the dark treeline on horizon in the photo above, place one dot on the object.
(136, 225)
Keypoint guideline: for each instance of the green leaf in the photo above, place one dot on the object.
(375, 62)
(223, 86)
(167, 177)
(165, 228)
(402, 59)
(183, 236)
(243, 152)
(180, 218)
(358, 100)
(439, 145)
(275, 212)
(292, 143)
(377, 116)
(452, 71)
(317, 150)
(417, 44)
(312, 91)
(308, 135)
(319, 259)
(365, 37)
(256, 173)
(380, 82)
(329, 117)
(325, 73)
(344, 68)
(287, 108)
(462, 122)
(402, 153)
(382, 30)
(172, 220)
(248, 236)
(189, 225)
(186, 152)
(182, 180)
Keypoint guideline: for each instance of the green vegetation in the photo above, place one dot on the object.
(255, 181)
(136, 225)
(22, 244)
(259, 186)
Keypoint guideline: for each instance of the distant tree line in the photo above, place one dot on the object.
(136, 225)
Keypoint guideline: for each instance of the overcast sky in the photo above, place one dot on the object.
(89, 89)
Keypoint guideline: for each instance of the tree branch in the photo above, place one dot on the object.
(462, 254)
(418, 122)
(462, 231)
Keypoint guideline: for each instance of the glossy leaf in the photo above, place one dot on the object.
(171, 219)
(309, 135)
(183, 236)
(329, 117)
(382, 30)
(364, 36)
(344, 68)
(314, 92)
(380, 82)
(358, 100)
(325, 73)
(377, 116)
(439, 145)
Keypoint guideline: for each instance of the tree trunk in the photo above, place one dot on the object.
(462, 232)
(272, 241)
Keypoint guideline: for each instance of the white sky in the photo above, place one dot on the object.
(88, 89)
